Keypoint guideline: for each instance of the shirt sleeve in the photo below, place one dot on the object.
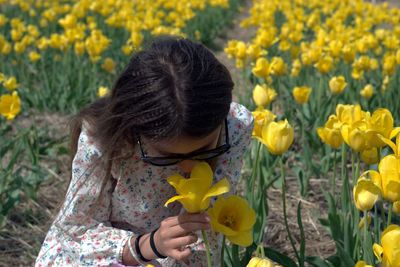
(76, 238)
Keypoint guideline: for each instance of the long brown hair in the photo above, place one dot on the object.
(173, 87)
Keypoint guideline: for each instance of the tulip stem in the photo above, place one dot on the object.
(365, 234)
(207, 248)
(334, 174)
(284, 210)
(389, 219)
(254, 172)
(222, 251)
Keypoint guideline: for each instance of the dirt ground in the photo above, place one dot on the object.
(27, 225)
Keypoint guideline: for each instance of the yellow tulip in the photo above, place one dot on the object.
(34, 56)
(259, 262)
(337, 85)
(261, 69)
(261, 117)
(10, 83)
(263, 95)
(277, 66)
(330, 133)
(365, 194)
(349, 113)
(254, 51)
(108, 65)
(389, 250)
(396, 207)
(362, 264)
(277, 136)
(195, 193)
(394, 146)
(233, 217)
(240, 51)
(389, 169)
(367, 92)
(10, 105)
(355, 135)
(370, 156)
(102, 91)
(325, 64)
(380, 124)
(349, 53)
(301, 94)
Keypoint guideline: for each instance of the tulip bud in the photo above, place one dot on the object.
(365, 194)
(263, 95)
(277, 137)
(301, 94)
(337, 85)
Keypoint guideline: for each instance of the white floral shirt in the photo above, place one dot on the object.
(132, 203)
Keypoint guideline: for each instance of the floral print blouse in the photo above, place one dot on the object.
(132, 203)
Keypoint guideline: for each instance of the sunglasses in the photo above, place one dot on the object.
(198, 155)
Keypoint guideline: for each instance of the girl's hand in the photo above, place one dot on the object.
(176, 233)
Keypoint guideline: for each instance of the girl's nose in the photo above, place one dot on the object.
(186, 166)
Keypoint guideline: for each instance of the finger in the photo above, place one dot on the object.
(181, 255)
(191, 217)
(186, 228)
(183, 240)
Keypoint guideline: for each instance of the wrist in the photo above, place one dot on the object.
(145, 247)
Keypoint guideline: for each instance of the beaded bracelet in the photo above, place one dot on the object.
(153, 245)
(137, 247)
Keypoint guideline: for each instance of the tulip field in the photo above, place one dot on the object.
(321, 78)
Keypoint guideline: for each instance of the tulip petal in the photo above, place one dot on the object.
(175, 180)
(378, 251)
(219, 188)
(389, 143)
(173, 199)
(204, 172)
(243, 239)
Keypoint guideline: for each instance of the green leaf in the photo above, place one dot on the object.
(279, 257)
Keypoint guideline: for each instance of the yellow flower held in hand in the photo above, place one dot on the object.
(195, 193)
(301, 94)
(389, 250)
(234, 218)
(277, 136)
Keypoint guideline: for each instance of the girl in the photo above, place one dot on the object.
(170, 108)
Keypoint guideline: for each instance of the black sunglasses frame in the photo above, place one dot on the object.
(218, 151)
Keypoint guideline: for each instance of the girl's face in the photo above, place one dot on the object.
(184, 145)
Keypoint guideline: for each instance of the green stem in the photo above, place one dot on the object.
(207, 248)
(365, 234)
(383, 217)
(284, 210)
(389, 219)
(254, 172)
(222, 251)
(353, 173)
(334, 174)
